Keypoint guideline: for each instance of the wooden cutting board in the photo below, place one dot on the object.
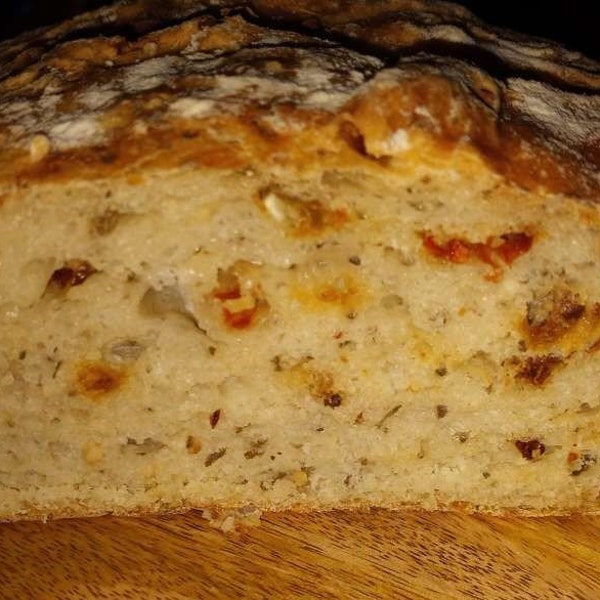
(338, 555)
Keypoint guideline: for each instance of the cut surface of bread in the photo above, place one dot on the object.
(239, 274)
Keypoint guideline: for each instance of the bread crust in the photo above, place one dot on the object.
(529, 107)
(71, 512)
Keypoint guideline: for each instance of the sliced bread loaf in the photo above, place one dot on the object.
(259, 259)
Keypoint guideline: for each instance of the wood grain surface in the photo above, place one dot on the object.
(337, 555)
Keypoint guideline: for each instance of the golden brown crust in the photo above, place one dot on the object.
(410, 55)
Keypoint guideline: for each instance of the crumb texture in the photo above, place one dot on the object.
(226, 338)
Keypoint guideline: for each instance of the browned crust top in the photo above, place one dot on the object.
(125, 86)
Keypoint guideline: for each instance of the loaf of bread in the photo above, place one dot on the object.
(297, 255)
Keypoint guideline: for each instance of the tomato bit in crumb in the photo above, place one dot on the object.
(214, 418)
(73, 272)
(530, 449)
(241, 319)
(239, 307)
(229, 285)
(496, 251)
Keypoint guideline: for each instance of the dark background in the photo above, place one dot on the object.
(574, 23)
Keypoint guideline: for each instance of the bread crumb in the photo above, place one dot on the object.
(232, 521)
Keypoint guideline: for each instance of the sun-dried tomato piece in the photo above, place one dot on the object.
(550, 316)
(530, 449)
(537, 369)
(228, 285)
(513, 245)
(496, 252)
(333, 400)
(214, 418)
(241, 298)
(73, 272)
